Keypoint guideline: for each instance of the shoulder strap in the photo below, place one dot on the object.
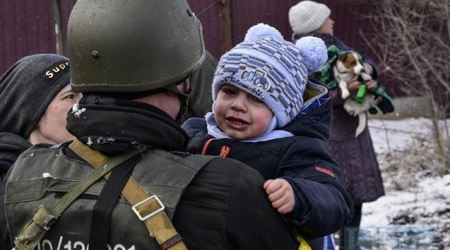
(35, 229)
(147, 207)
(200, 160)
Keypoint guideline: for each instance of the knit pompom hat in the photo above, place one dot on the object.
(308, 16)
(271, 69)
(27, 88)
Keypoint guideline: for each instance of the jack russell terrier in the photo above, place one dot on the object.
(350, 66)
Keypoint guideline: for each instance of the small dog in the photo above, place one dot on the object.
(349, 66)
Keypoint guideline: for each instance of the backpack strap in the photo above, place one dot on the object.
(147, 207)
(200, 160)
(43, 219)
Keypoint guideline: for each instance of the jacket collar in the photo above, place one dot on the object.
(315, 118)
(113, 126)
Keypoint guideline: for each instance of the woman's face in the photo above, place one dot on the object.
(52, 126)
(327, 27)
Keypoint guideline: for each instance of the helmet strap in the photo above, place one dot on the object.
(183, 107)
(182, 96)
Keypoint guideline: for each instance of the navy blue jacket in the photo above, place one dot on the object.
(323, 206)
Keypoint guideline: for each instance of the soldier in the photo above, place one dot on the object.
(126, 181)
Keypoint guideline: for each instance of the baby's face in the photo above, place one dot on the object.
(240, 115)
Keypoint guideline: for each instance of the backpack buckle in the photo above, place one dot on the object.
(148, 207)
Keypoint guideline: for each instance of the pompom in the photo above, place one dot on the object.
(261, 30)
(314, 52)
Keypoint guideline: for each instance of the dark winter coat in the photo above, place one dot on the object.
(214, 211)
(322, 204)
(355, 156)
(11, 146)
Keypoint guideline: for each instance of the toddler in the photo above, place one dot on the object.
(268, 115)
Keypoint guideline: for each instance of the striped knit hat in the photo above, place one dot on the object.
(271, 69)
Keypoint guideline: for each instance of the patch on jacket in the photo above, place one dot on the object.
(324, 170)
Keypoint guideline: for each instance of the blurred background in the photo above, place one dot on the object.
(409, 39)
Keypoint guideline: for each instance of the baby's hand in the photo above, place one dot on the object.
(281, 195)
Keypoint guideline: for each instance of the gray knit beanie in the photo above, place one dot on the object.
(27, 88)
(307, 16)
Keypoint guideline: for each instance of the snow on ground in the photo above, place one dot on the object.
(415, 212)
(388, 135)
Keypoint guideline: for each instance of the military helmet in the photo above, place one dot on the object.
(132, 46)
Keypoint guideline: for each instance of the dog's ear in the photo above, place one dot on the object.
(342, 57)
(348, 59)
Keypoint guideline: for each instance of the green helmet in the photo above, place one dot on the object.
(132, 46)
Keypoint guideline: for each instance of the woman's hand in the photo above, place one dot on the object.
(354, 83)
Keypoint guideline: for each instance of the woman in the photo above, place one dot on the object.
(355, 156)
(35, 96)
